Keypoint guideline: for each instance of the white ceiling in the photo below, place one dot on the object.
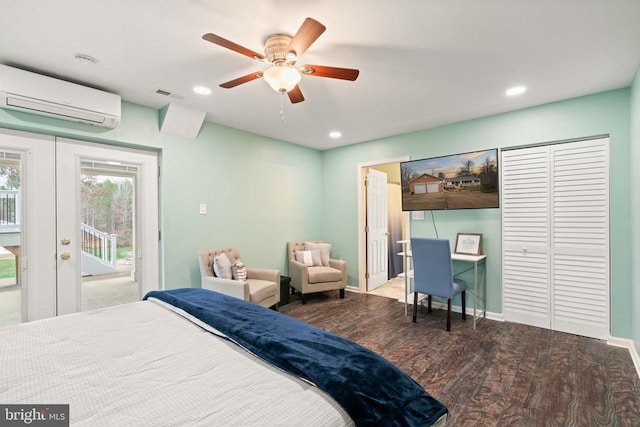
(422, 63)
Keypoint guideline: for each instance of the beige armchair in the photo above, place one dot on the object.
(317, 278)
(262, 286)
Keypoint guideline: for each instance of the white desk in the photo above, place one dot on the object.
(473, 259)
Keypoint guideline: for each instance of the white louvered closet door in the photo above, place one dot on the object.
(556, 269)
(525, 231)
(580, 257)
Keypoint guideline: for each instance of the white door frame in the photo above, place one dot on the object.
(362, 217)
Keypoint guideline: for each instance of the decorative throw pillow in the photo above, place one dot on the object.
(222, 266)
(324, 249)
(309, 258)
(239, 271)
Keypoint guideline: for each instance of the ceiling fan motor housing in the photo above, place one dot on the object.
(275, 49)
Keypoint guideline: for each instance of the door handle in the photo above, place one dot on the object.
(65, 255)
(65, 241)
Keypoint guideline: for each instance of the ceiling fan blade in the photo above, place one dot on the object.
(233, 46)
(308, 32)
(295, 95)
(241, 80)
(331, 72)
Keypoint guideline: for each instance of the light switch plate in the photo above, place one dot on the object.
(203, 208)
(417, 215)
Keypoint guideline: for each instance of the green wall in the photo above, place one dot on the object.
(260, 192)
(635, 210)
(599, 114)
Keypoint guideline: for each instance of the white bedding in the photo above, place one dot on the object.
(142, 364)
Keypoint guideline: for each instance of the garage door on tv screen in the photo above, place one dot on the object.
(458, 181)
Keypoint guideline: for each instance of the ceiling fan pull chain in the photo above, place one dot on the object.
(282, 106)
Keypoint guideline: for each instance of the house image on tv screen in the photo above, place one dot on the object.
(459, 181)
(426, 183)
(463, 182)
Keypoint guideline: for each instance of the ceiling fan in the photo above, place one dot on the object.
(282, 51)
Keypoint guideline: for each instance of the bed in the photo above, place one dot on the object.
(195, 357)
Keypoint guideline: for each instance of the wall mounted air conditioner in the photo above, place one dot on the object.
(34, 93)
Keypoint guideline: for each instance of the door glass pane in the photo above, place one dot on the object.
(10, 239)
(107, 233)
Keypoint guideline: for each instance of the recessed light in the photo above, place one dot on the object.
(202, 90)
(516, 90)
(335, 134)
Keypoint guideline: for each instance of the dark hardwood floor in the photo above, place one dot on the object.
(502, 374)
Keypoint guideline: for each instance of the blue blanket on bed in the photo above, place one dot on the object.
(373, 391)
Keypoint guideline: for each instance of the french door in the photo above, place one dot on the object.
(50, 267)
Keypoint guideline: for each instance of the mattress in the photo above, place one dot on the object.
(373, 391)
(145, 364)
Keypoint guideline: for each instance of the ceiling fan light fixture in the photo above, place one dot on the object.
(282, 78)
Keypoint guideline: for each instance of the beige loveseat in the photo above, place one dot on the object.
(262, 286)
(317, 278)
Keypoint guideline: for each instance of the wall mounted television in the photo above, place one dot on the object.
(458, 181)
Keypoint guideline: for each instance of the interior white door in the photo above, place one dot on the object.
(71, 155)
(555, 212)
(377, 233)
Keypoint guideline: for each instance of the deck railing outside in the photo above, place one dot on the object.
(10, 210)
(99, 244)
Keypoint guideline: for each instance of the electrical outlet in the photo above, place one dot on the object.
(417, 215)
(203, 208)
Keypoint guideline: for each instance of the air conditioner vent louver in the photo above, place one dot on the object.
(163, 92)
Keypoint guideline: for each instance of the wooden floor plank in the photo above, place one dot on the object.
(502, 374)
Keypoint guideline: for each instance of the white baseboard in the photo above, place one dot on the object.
(457, 309)
(627, 343)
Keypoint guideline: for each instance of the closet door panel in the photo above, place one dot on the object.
(526, 288)
(580, 298)
(525, 234)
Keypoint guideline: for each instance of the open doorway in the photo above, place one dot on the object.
(397, 223)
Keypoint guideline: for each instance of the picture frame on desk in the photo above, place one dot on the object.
(468, 244)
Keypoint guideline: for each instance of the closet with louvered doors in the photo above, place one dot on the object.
(555, 236)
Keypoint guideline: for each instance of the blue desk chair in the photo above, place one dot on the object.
(433, 274)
